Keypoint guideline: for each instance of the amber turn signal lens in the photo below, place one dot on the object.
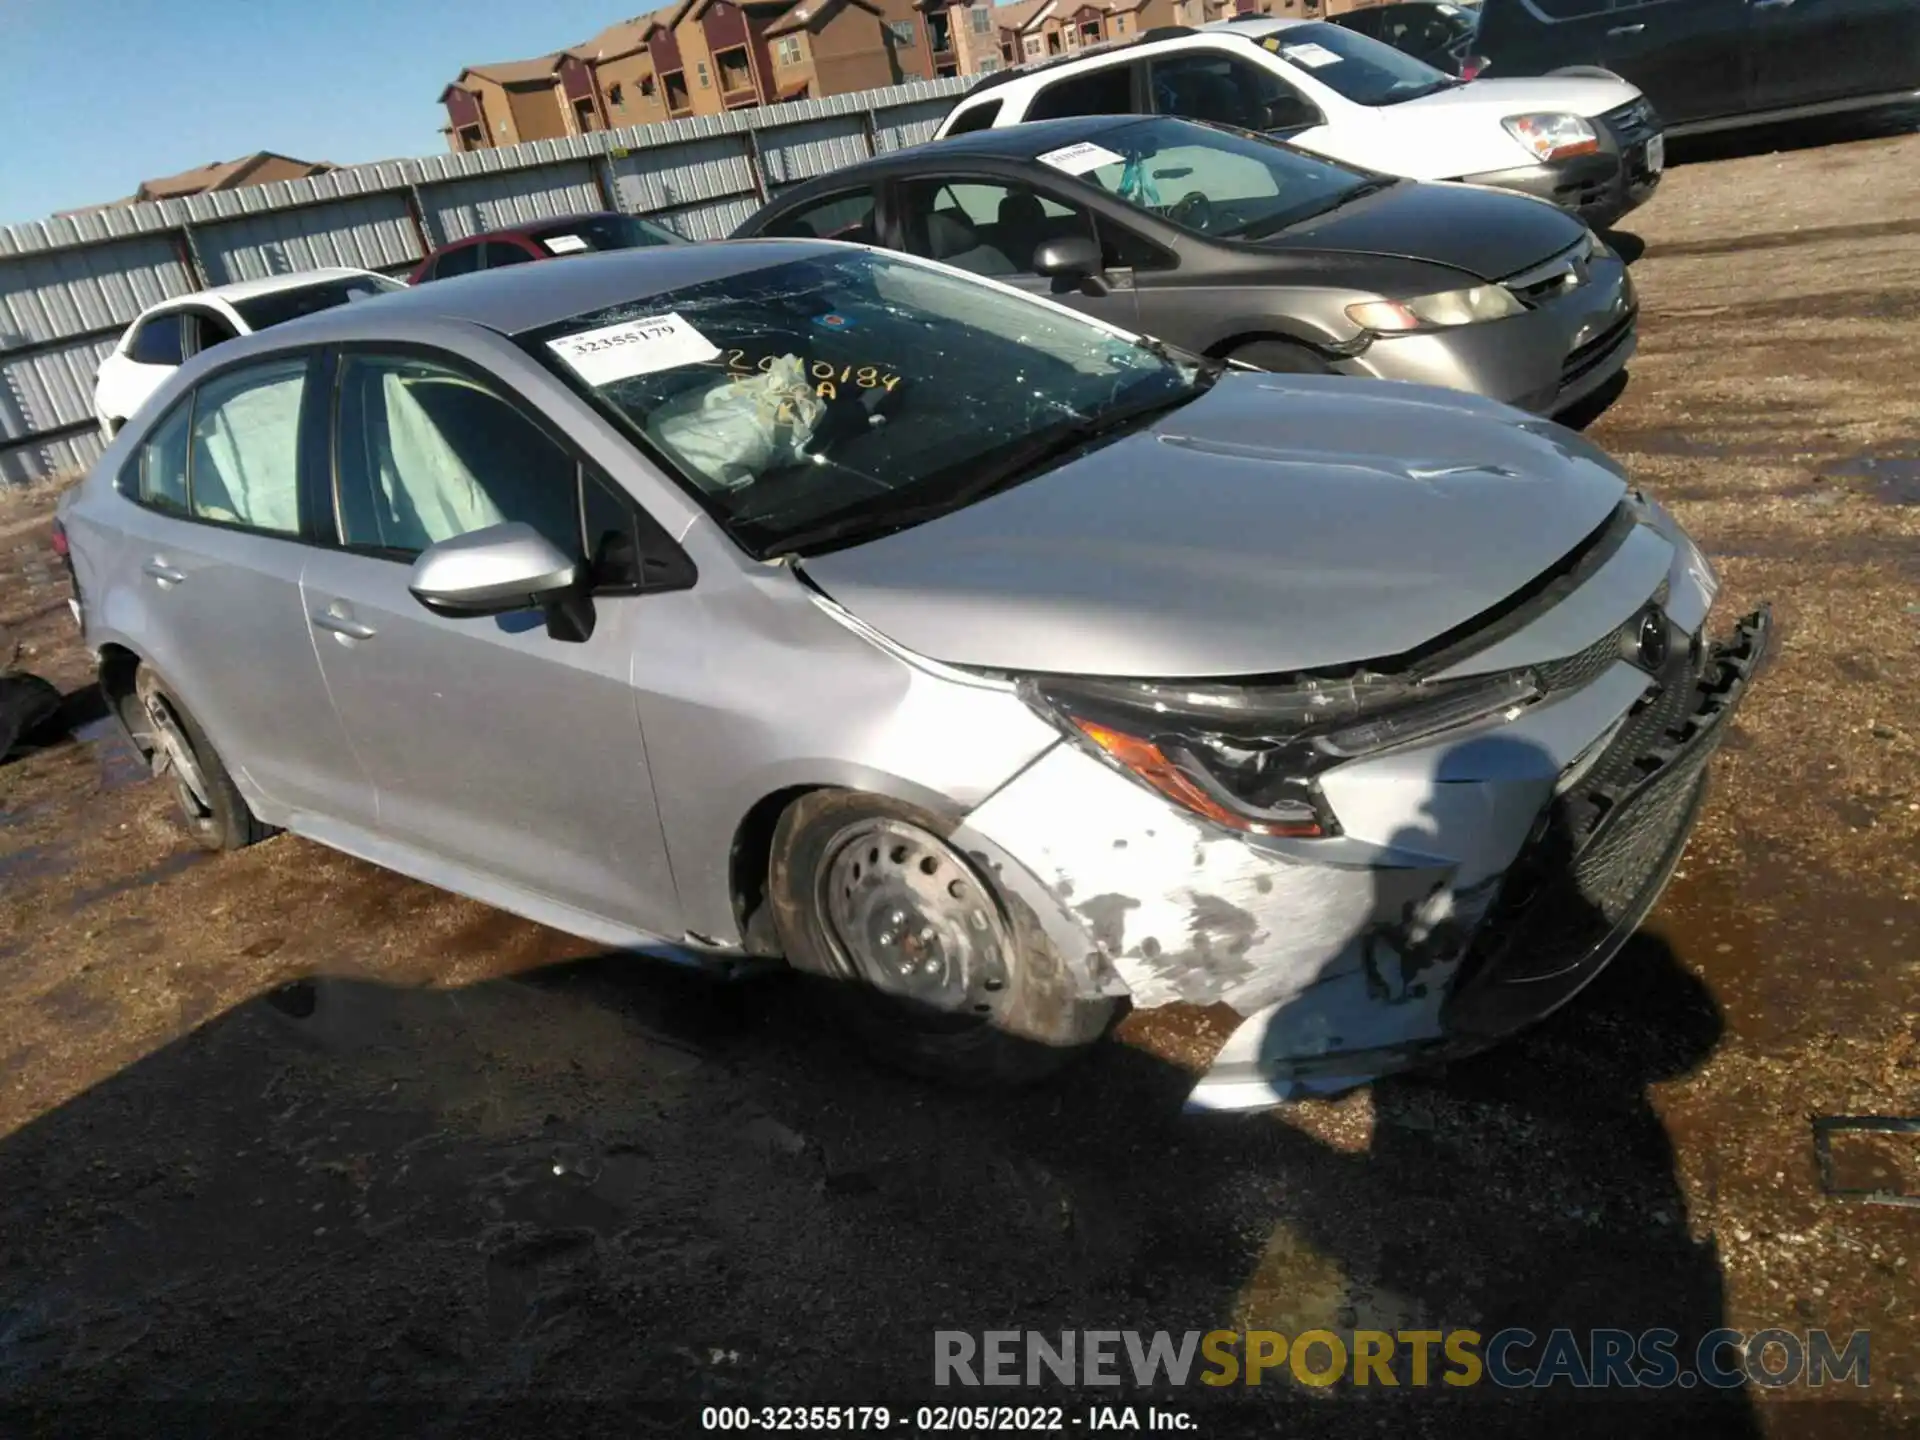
(1148, 761)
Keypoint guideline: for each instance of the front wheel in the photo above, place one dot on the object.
(939, 972)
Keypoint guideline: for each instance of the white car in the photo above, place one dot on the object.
(1590, 143)
(166, 335)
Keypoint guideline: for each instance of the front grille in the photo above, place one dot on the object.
(1632, 123)
(1589, 357)
(1602, 846)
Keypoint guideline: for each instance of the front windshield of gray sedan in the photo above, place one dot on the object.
(820, 400)
(1363, 70)
(1212, 181)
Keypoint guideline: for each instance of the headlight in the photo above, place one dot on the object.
(1433, 312)
(1248, 757)
(1553, 137)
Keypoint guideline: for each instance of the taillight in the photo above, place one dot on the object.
(59, 539)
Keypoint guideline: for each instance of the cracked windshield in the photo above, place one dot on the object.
(828, 399)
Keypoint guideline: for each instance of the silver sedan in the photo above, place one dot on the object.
(800, 600)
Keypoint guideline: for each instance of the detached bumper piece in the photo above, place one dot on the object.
(1603, 851)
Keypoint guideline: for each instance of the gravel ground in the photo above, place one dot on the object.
(500, 1170)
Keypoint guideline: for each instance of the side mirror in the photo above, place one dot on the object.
(501, 569)
(1075, 259)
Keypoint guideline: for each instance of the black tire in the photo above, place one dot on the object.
(1283, 357)
(1039, 1022)
(28, 708)
(214, 812)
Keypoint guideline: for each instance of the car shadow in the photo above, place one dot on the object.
(1876, 124)
(623, 1181)
(1590, 408)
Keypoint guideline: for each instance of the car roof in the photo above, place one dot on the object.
(270, 285)
(531, 228)
(527, 297)
(1094, 55)
(1265, 25)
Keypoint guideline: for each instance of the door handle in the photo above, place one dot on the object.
(163, 572)
(344, 626)
(1626, 29)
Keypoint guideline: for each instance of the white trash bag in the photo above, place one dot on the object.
(732, 433)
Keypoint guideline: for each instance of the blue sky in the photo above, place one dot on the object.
(98, 95)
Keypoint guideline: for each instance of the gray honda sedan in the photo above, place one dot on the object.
(802, 600)
(1233, 244)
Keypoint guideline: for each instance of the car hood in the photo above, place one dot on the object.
(1277, 523)
(1496, 97)
(1484, 232)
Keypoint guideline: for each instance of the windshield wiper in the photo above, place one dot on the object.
(1022, 462)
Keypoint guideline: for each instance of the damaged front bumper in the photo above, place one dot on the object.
(1538, 849)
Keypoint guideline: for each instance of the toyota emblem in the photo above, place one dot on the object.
(1653, 640)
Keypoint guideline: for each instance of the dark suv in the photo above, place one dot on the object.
(1718, 64)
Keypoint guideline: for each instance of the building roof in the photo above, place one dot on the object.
(623, 37)
(517, 72)
(811, 14)
(219, 175)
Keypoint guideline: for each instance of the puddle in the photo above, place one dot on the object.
(152, 875)
(120, 764)
(1813, 956)
(1892, 479)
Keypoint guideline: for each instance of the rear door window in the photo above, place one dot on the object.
(245, 462)
(1201, 85)
(499, 253)
(159, 341)
(1104, 91)
(463, 261)
(976, 117)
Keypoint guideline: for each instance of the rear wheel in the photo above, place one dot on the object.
(210, 803)
(939, 972)
(1283, 357)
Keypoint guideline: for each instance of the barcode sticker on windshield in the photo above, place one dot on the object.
(565, 244)
(1079, 159)
(1310, 55)
(634, 347)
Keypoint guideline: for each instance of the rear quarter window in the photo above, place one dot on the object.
(1106, 91)
(976, 117)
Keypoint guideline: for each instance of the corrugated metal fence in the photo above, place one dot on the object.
(69, 286)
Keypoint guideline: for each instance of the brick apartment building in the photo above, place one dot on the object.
(705, 57)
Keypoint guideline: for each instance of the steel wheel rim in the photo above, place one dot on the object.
(907, 915)
(188, 780)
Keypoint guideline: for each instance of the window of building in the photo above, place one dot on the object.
(902, 32)
(735, 74)
(982, 19)
(646, 87)
(1032, 46)
(700, 69)
(677, 97)
(987, 66)
(617, 97)
(788, 51)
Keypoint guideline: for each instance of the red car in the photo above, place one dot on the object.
(543, 240)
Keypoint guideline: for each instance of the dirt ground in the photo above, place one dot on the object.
(504, 1170)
